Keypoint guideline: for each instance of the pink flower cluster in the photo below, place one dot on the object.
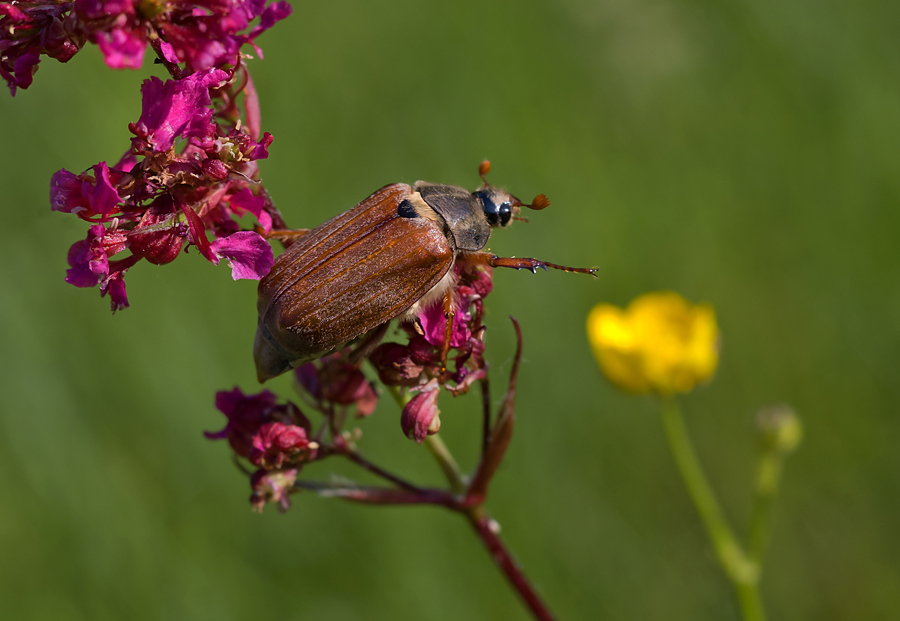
(335, 387)
(274, 438)
(419, 365)
(156, 199)
(202, 34)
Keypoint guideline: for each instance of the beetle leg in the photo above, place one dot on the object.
(367, 343)
(285, 234)
(449, 313)
(486, 258)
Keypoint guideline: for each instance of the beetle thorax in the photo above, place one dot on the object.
(461, 212)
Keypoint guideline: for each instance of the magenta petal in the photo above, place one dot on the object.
(434, 324)
(178, 108)
(24, 69)
(261, 151)
(254, 204)
(104, 197)
(127, 162)
(168, 53)
(249, 255)
(81, 274)
(13, 13)
(274, 13)
(122, 49)
(65, 192)
(115, 286)
(308, 376)
(251, 107)
(197, 234)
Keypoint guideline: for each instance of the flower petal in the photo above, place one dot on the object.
(249, 255)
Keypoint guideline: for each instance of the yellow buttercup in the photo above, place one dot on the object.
(660, 343)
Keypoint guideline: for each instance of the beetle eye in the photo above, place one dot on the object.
(505, 213)
(492, 212)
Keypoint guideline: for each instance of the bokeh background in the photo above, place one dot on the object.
(742, 153)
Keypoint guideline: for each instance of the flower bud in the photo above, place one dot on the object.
(344, 384)
(779, 429)
(421, 416)
(215, 169)
(396, 365)
(276, 442)
(165, 237)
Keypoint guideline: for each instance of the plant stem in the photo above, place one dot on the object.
(487, 530)
(742, 572)
(484, 526)
(768, 476)
(486, 414)
(437, 448)
(367, 465)
(445, 460)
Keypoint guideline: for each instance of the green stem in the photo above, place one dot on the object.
(437, 448)
(445, 460)
(743, 574)
(768, 476)
(750, 601)
(484, 526)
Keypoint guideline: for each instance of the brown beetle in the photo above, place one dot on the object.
(390, 256)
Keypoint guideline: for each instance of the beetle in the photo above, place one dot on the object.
(389, 257)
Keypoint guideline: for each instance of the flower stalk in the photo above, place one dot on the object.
(742, 571)
(663, 345)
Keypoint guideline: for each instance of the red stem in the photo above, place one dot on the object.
(482, 525)
(367, 465)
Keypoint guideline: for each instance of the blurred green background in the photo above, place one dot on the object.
(742, 153)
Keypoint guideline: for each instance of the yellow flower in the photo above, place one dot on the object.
(660, 343)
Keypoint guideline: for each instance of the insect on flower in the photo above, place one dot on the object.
(389, 257)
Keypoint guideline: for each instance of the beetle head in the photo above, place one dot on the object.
(501, 208)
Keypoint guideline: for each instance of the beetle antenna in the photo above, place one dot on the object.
(483, 169)
(540, 202)
(520, 219)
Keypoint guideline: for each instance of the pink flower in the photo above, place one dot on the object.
(84, 195)
(245, 414)
(248, 414)
(248, 254)
(28, 30)
(177, 108)
(89, 258)
(123, 48)
(115, 287)
(274, 443)
(343, 383)
(434, 324)
(272, 486)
